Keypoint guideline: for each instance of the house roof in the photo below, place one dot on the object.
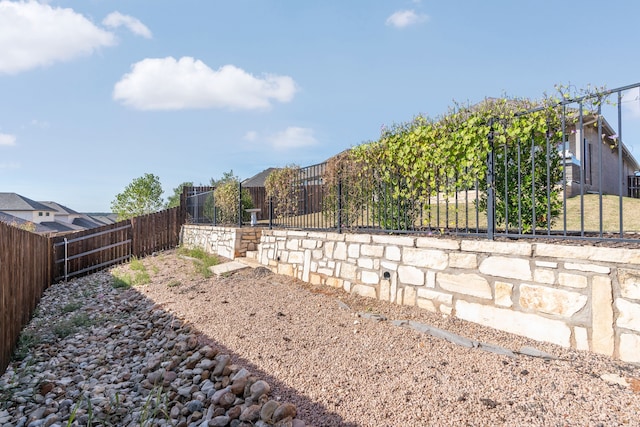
(60, 227)
(259, 179)
(60, 208)
(16, 202)
(19, 222)
(85, 221)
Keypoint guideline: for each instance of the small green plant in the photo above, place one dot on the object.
(155, 406)
(203, 260)
(63, 329)
(121, 282)
(72, 306)
(81, 320)
(140, 276)
(28, 339)
(173, 284)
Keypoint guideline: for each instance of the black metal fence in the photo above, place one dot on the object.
(577, 183)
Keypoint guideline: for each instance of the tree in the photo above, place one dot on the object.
(174, 199)
(142, 196)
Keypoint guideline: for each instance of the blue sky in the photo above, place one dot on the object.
(95, 93)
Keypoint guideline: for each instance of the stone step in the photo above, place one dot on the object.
(249, 262)
(227, 267)
(252, 254)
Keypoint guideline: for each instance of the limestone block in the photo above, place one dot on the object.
(370, 277)
(503, 293)
(438, 297)
(629, 283)
(446, 309)
(285, 269)
(542, 275)
(348, 271)
(389, 266)
(306, 267)
(296, 257)
(364, 290)
(358, 238)
(504, 248)
(426, 304)
(434, 242)
(463, 260)
(317, 254)
(431, 279)
(392, 253)
(328, 249)
(340, 251)
(365, 263)
(346, 286)
(326, 271)
(592, 268)
(524, 324)
(334, 282)
(602, 334)
(393, 240)
(293, 244)
(628, 314)
(572, 280)
(410, 275)
(385, 290)
(550, 300)
(590, 253)
(468, 284)
(374, 251)
(315, 279)
(630, 348)
(317, 236)
(428, 258)
(409, 295)
(353, 250)
(309, 244)
(511, 268)
(582, 339)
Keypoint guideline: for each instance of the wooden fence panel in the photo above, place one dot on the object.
(25, 272)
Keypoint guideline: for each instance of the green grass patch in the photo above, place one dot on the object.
(27, 341)
(136, 277)
(70, 307)
(203, 260)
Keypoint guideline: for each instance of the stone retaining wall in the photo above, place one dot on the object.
(576, 296)
(228, 242)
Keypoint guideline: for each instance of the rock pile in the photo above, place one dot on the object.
(105, 356)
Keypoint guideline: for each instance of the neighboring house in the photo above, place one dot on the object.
(582, 159)
(25, 208)
(47, 217)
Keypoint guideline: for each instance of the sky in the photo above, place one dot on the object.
(96, 93)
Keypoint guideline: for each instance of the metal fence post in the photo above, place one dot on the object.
(239, 204)
(340, 206)
(270, 212)
(491, 197)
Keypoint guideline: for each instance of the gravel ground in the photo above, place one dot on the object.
(319, 349)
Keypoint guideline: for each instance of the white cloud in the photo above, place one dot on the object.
(293, 137)
(252, 135)
(170, 84)
(631, 102)
(34, 34)
(406, 18)
(116, 19)
(7, 140)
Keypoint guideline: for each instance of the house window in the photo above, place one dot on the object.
(47, 213)
(39, 213)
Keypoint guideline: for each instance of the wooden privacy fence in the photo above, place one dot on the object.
(25, 272)
(29, 262)
(90, 250)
